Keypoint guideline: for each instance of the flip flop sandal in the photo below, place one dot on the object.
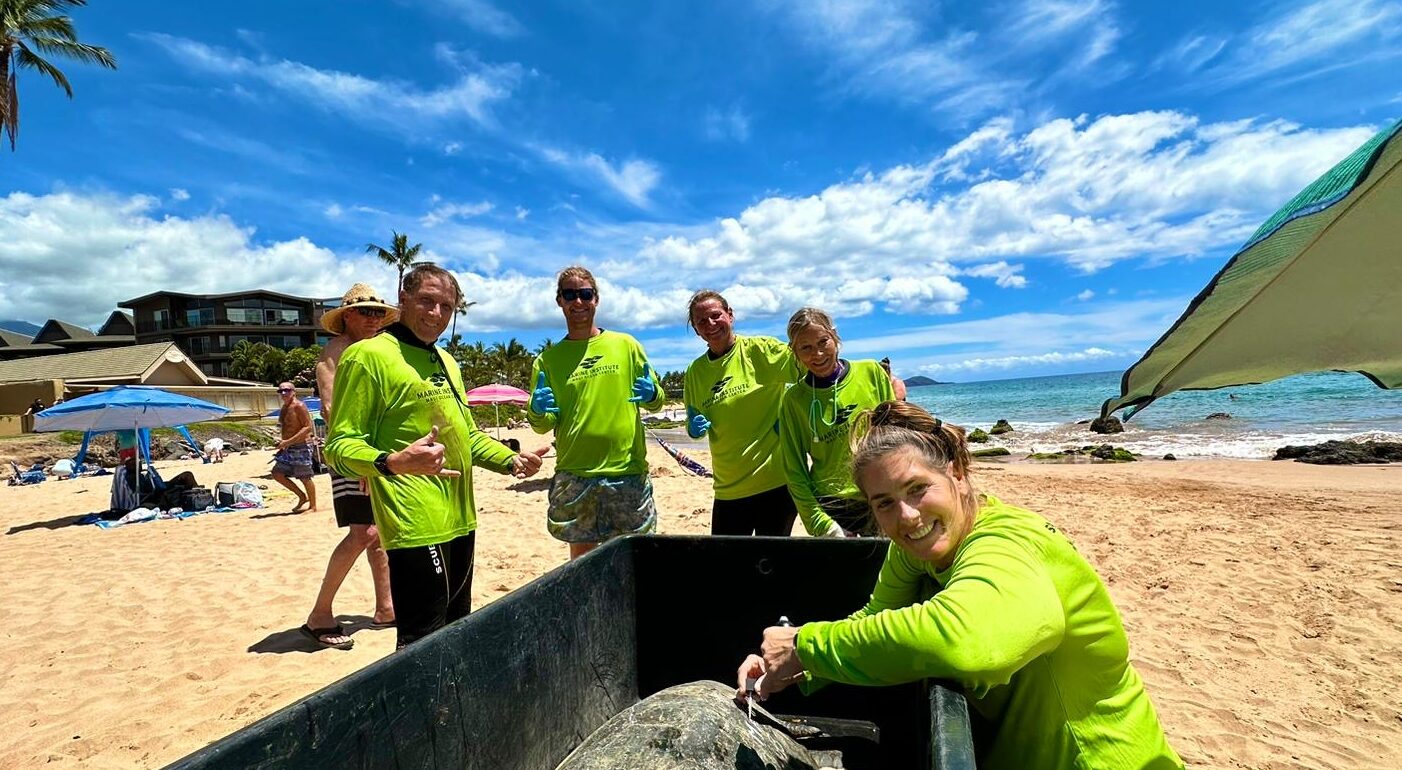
(316, 634)
(378, 626)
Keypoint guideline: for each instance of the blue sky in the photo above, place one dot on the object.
(1012, 189)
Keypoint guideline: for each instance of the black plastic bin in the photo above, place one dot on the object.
(522, 682)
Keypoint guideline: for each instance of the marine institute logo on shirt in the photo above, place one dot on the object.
(593, 366)
(724, 391)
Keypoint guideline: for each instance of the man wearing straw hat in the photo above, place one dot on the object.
(360, 316)
(401, 422)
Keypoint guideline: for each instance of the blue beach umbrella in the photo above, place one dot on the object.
(127, 407)
(313, 405)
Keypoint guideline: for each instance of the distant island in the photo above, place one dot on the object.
(918, 380)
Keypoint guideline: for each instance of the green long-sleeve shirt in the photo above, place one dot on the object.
(390, 391)
(740, 393)
(597, 432)
(814, 427)
(1023, 622)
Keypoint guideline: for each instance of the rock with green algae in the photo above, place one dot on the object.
(993, 451)
(1000, 427)
(979, 436)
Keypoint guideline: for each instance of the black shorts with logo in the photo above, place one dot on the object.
(431, 586)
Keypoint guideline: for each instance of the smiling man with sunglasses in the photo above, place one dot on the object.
(401, 422)
(588, 388)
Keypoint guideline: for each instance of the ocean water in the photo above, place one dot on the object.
(1305, 409)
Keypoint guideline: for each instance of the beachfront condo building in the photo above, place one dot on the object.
(208, 326)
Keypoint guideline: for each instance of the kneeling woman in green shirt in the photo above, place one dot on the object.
(1017, 616)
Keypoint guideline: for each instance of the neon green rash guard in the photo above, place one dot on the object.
(390, 392)
(597, 432)
(740, 393)
(814, 424)
(1023, 622)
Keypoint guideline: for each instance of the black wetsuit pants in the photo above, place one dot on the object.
(431, 586)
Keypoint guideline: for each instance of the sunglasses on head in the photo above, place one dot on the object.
(370, 312)
(284, 390)
(570, 295)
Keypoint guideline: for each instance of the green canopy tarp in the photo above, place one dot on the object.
(1318, 287)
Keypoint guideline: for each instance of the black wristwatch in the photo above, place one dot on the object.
(382, 464)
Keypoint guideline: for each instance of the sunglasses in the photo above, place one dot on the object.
(370, 312)
(570, 295)
(284, 390)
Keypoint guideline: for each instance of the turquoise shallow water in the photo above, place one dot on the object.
(1304, 409)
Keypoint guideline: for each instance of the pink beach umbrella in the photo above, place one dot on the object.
(497, 395)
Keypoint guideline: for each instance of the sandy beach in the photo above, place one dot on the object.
(1263, 602)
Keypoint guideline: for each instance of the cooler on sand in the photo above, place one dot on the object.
(520, 683)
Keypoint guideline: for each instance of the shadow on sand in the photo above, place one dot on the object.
(293, 640)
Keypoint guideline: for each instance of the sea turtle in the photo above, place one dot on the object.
(688, 727)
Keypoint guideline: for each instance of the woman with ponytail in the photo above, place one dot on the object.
(1017, 616)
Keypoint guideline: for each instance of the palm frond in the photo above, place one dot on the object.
(79, 52)
(27, 58)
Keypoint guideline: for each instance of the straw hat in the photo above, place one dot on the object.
(360, 295)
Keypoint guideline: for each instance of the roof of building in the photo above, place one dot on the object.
(117, 323)
(127, 361)
(102, 341)
(55, 330)
(225, 295)
(9, 338)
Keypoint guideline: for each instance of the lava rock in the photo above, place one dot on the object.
(1169, 457)
(979, 436)
(1113, 454)
(1109, 424)
(1343, 452)
(993, 451)
(1000, 427)
(1218, 416)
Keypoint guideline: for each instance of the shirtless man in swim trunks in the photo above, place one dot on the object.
(294, 452)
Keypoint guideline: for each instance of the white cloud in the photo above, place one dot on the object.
(444, 211)
(452, 148)
(633, 179)
(522, 213)
(1005, 275)
(179, 194)
(482, 16)
(391, 104)
(1086, 295)
(1089, 29)
(1008, 362)
(73, 256)
(1090, 192)
(883, 47)
(725, 125)
(333, 211)
(1303, 38)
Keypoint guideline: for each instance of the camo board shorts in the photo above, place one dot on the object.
(592, 510)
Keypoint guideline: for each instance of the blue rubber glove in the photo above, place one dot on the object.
(543, 398)
(644, 389)
(696, 423)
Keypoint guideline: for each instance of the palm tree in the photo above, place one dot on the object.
(400, 254)
(27, 25)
